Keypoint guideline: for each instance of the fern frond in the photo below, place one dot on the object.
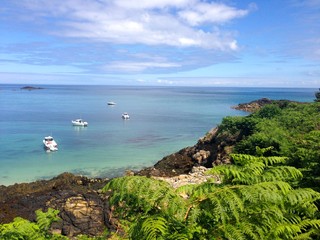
(154, 227)
(186, 189)
(243, 159)
(281, 173)
(266, 192)
(302, 195)
(146, 195)
(268, 161)
(231, 231)
(250, 231)
(310, 223)
(285, 231)
(303, 201)
(200, 191)
(20, 229)
(45, 219)
(225, 203)
(227, 172)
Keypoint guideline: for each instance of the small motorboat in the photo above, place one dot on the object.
(125, 116)
(111, 103)
(79, 122)
(50, 144)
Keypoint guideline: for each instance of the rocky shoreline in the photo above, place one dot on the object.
(84, 209)
(257, 104)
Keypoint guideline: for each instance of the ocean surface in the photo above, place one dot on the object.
(162, 121)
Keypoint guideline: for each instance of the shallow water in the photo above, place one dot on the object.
(162, 121)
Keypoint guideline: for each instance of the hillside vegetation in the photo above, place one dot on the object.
(270, 191)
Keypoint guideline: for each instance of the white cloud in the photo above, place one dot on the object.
(175, 23)
(151, 4)
(211, 13)
(132, 67)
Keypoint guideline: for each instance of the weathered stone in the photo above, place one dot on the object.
(83, 214)
(82, 209)
(196, 176)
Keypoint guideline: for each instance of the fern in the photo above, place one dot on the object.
(254, 201)
(146, 195)
(150, 228)
(250, 170)
(20, 229)
(24, 229)
(45, 219)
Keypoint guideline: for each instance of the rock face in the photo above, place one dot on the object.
(210, 150)
(254, 105)
(196, 176)
(82, 209)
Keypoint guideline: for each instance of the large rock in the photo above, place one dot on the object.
(212, 149)
(82, 209)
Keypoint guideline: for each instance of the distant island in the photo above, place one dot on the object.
(31, 88)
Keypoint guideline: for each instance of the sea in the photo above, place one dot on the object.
(162, 121)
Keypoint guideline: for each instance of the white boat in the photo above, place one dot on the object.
(79, 122)
(111, 103)
(125, 116)
(50, 144)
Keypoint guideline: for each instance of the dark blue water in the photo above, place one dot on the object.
(162, 120)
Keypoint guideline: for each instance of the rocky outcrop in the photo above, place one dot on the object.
(196, 176)
(258, 104)
(83, 209)
(212, 149)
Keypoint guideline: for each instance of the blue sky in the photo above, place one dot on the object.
(262, 43)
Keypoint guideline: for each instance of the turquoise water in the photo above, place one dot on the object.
(162, 121)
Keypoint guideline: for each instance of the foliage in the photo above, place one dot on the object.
(317, 95)
(257, 200)
(24, 229)
(292, 130)
(269, 111)
(145, 195)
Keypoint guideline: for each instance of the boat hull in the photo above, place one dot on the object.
(50, 145)
(79, 123)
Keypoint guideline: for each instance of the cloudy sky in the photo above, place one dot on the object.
(262, 43)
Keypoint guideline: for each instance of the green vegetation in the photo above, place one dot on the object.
(257, 199)
(317, 95)
(292, 131)
(271, 191)
(21, 229)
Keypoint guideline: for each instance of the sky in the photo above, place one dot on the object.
(229, 43)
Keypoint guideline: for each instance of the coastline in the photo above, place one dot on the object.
(81, 202)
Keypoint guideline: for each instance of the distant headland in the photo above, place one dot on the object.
(31, 88)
